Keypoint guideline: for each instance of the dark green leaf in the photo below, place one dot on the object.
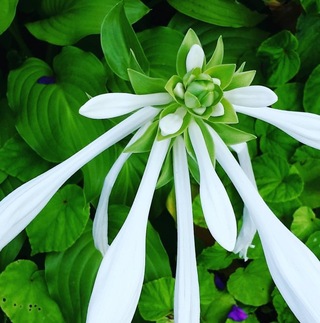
(68, 22)
(24, 295)
(311, 100)
(61, 222)
(292, 102)
(7, 13)
(313, 243)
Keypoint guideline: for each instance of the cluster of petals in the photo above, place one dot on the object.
(294, 268)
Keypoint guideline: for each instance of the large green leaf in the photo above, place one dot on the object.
(228, 13)
(7, 13)
(120, 45)
(47, 101)
(279, 54)
(251, 285)
(61, 222)
(65, 22)
(7, 122)
(24, 295)
(277, 180)
(311, 100)
(284, 313)
(70, 276)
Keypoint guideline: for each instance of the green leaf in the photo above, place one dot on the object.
(251, 285)
(279, 53)
(215, 258)
(67, 22)
(222, 72)
(157, 261)
(276, 179)
(47, 114)
(229, 115)
(7, 13)
(70, 276)
(118, 39)
(217, 56)
(7, 122)
(227, 13)
(311, 6)
(311, 100)
(61, 222)
(24, 295)
(17, 159)
(313, 243)
(292, 102)
(304, 223)
(198, 217)
(284, 313)
(208, 289)
(156, 299)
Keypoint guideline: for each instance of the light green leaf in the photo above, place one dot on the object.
(7, 13)
(67, 22)
(251, 285)
(47, 114)
(157, 261)
(304, 223)
(24, 295)
(198, 217)
(215, 258)
(61, 222)
(70, 276)
(276, 179)
(118, 41)
(227, 13)
(311, 100)
(279, 53)
(156, 299)
(208, 290)
(17, 159)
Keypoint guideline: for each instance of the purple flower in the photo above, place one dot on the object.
(46, 80)
(237, 314)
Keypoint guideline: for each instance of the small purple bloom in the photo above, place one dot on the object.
(46, 80)
(237, 314)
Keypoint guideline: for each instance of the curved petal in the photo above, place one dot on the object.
(251, 96)
(100, 222)
(294, 268)
(186, 295)
(112, 105)
(172, 122)
(119, 280)
(20, 207)
(303, 126)
(195, 57)
(215, 202)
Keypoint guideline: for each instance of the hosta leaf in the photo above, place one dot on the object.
(46, 102)
(284, 313)
(276, 179)
(313, 243)
(119, 42)
(218, 12)
(24, 295)
(7, 13)
(7, 122)
(156, 300)
(311, 100)
(70, 276)
(66, 22)
(17, 159)
(279, 53)
(251, 285)
(61, 222)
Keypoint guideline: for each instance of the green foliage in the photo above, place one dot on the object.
(7, 13)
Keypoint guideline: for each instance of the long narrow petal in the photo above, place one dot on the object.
(303, 126)
(120, 277)
(112, 105)
(251, 96)
(195, 57)
(294, 268)
(215, 202)
(186, 294)
(248, 229)
(20, 207)
(100, 222)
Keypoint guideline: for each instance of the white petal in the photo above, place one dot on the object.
(20, 207)
(215, 202)
(218, 110)
(172, 122)
(100, 222)
(195, 57)
(294, 268)
(186, 295)
(303, 126)
(112, 105)
(251, 96)
(248, 229)
(119, 280)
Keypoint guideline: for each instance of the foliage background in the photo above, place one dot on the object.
(53, 54)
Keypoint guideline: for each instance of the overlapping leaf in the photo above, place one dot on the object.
(66, 22)
(7, 13)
